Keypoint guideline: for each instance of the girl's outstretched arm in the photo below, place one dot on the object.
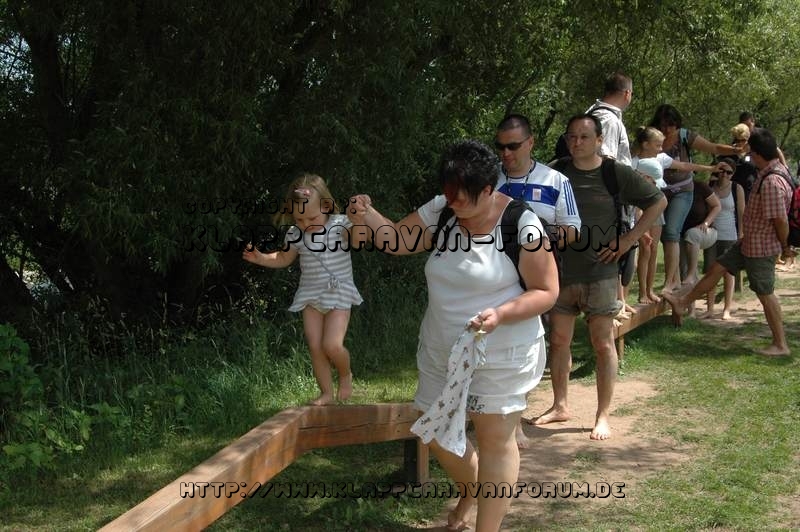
(276, 259)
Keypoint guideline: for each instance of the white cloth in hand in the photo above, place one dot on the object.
(445, 420)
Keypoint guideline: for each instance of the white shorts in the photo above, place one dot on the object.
(498, 387)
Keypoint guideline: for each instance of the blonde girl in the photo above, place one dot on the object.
(648, 143)
(320, 237)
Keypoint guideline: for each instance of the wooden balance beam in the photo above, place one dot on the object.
(644, 313)
(264, 452)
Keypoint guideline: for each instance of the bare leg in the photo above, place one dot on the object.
(462, 470)
(692, 258)
(655, 231)
(562, 327)
(642, 267)
(772, 311)
(336, 322)
(498, 463)
(679, 302)
(671, 264)
(313, 326)
(602, 338)
(523, 442)
(729, 282)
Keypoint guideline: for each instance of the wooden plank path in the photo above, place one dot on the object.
(264, 452)
(272, 446)
(644, 313)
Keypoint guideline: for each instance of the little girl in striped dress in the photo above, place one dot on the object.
(320, 237)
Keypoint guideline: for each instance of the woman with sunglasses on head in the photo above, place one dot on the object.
(728, 224)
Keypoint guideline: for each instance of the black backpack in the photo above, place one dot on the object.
(627, 264)
(508, 227)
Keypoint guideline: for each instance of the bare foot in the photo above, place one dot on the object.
(644, 300)
(523, 442)
(458, 518)
(707, 315)
(323, 399)
(678, 307)
(630, 310)
(653, 297)
(726, 315)
(345, 387)
(774, 351)
(553, 415)
(689, 281)
(601, 430)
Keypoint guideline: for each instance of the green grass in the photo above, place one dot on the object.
(736, 416)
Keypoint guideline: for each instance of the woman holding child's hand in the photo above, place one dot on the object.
(478, 300)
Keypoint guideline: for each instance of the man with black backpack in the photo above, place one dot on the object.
(617, 94)
(590, 264)
(766, 235)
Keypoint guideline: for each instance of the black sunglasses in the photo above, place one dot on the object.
(512, 146)
(720, 172)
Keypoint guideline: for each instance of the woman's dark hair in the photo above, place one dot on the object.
(468, 165)
(763, 142)
(729, 161)
(666, 115)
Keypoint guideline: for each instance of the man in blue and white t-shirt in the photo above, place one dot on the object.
(547, 192)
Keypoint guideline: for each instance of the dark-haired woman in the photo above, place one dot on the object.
(678, 142)
(474, 287)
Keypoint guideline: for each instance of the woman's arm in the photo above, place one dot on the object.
(704, 145)
(714, 206)
(406, 237)
(276, 259)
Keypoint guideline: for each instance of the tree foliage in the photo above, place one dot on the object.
(138, 136)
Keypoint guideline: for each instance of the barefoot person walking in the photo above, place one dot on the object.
(766, 230)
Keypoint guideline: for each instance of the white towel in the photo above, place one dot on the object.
(446, 418)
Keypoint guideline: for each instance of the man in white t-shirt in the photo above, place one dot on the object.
(617, 94)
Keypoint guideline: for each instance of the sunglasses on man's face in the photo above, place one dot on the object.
(512, 146)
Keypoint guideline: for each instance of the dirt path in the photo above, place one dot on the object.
(563, 452)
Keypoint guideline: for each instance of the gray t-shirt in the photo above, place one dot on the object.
(599, 218)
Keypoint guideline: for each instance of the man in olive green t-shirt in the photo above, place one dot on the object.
(590, 269)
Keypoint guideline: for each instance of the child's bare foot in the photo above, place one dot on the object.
(553, 415)
(707, 315)
(601, 430)
(630, 310)
(653, 297)
(323, 399)
(345, 386)
(726, 315)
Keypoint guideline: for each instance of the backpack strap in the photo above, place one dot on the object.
(609, 174)
(509, 228)
(684, 134)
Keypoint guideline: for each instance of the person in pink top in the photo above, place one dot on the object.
(766, 233)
